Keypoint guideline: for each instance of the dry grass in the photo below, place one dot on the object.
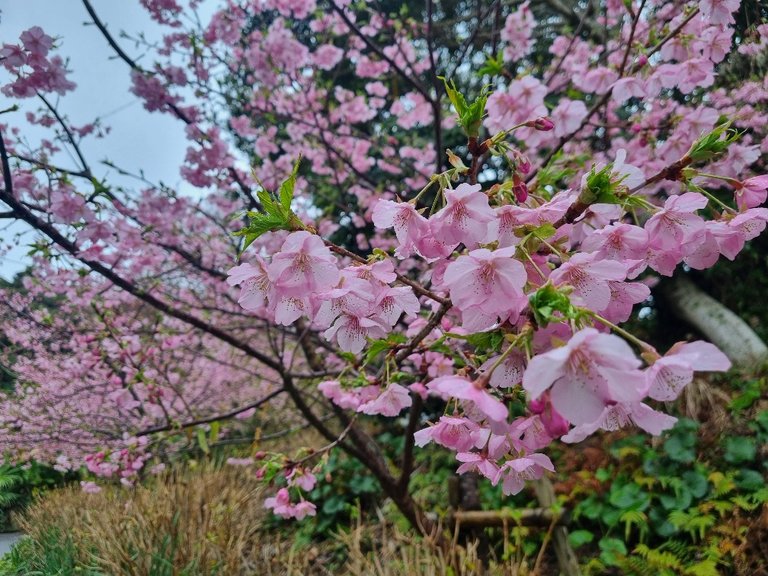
(203, 522)
(210, 521)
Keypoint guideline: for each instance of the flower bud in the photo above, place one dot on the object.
(541, 123)
(520, 191)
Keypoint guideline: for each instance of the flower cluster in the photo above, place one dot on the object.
(303, 280)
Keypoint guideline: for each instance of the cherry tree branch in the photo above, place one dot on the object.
(210, 419)
(254, 203)
(378, 51)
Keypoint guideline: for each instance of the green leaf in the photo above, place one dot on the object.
(603, 475)
(750, 480)
(215, 428)
(202, 441)
(746, 399)
(580, 537)
(544, 231)
(287, 187)
(740, 449)
(470, 115)
(493, 66)
(713, 144)
(628, 497)
(681, 444)
(486, 341)
(600, 187)
(612, 550)
(275, 214)
(681, 500)
(548, 300)
(696, 482)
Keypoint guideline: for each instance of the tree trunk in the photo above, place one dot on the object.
(717, 323)
(566, 557)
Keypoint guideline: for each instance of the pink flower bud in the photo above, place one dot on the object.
(541, 123)
(521, 192)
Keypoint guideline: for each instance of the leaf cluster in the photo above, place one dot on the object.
(275, 213)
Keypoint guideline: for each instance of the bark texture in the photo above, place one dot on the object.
(717, 323)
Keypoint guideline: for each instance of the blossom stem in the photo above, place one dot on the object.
(528, 256)
(619, 330)
(418, 288)
(500, 359)
(714, 199)
(421, 192)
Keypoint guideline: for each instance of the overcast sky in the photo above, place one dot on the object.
(139, 140)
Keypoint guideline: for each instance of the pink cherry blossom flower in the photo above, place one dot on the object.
(509, 373)
(465, 217)
(474, 462)
(620, 415)
(409, 225)
(590, 276)
(704, 251)
(392, 302)
(390, 402)
(626, 88)
(618, 241)
(718, 11)
(254, 284)
(624, 296)
(677, 223)
(280, 503)
(303, 509)
(350, 331)
(729, 240)
(752, 192)
(517, 32)
(450, 431)
(591, 371)
(36, 41)
(287, 309)
(301, 478)
(553, 422)
(68, 206)
(502, 229)
(304, 265)
(353, 296)
(750, 223)
(568, 115)
(89, 487)
(514, 473)
(382, 271)
(348, 398)
(327, 56)
(463, 389)
(597, 80)
(485, 286)
(668, 375)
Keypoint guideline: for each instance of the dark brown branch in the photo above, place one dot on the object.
(209, 419)
(418, 288)
(62, 241)
(403, 353)
(414, 417)
(379, 52)
(178, 112)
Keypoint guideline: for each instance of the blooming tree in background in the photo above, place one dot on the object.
(435, 212)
